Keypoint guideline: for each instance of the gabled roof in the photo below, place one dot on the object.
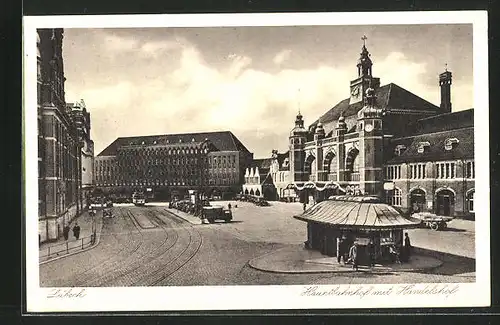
(390, 96)
(464, 149)
(222, 140)
(445, 122)
(262, 164)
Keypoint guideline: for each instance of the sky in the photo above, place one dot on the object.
(249, 80)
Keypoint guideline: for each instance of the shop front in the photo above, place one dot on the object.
(336, 224)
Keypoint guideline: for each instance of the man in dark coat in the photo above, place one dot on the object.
(76, 231)
(407, 248)
(371, 253)
(66, 232)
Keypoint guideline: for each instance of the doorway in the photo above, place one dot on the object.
(444, 203)
(417, 200)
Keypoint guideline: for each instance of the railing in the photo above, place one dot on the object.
(332, 177)
(67, 247)
(354, 177)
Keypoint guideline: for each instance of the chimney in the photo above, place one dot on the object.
(445, 84)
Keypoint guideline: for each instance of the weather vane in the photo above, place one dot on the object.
(364, 38)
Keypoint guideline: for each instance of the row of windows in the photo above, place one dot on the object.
(160, 151)
(444, 170)
(393, 172)
(395, 198)
(417, 171)
(175, 182)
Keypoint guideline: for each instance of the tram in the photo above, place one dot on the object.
(138, 198)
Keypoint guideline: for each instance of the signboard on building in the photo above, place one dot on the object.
(389, 186)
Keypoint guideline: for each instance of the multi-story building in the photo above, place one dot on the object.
(388, 142)
(58, 151)
(81, 118)
(269, 178)
(170, 165)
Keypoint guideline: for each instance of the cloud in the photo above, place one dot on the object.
(282, 56)
(187, 94)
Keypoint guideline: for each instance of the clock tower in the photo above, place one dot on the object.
(365, 78)
(370, 146)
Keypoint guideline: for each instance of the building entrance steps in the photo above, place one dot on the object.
(56, 249)
(297, 259)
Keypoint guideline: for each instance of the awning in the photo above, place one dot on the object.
(349, 212)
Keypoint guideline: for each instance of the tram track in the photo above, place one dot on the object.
(108, 264)
(178, 260)
(140, 267)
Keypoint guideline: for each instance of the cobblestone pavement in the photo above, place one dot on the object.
(176, 252)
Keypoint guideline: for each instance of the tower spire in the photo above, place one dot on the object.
(364, 63)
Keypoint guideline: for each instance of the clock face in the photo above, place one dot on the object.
(369, 128)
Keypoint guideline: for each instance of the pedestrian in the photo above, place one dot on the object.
(304, 206)
(340, 249)
(229, 206)
(76, 231)
(66, 232)
(407, 247)
(353, 256)
(371, 253)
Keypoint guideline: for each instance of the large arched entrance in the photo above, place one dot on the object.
(352, 165)
(417, 200)
(445, 200)
(310, 167)
(330, 166)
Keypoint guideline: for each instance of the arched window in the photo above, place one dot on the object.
(352, 165)
(257, 192)
(395, 197)
(470, 200)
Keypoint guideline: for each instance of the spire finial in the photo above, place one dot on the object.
(364, 38)
(298, 99)
(446, 67)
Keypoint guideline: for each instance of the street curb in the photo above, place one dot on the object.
(251, 263)
(97, 241)
(183, 218)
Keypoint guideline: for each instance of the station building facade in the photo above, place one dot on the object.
(388, 142)
(212, 163)
(59, 157)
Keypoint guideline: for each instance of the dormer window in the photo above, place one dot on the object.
(450, 144)
(423, 147)
(142, 142)
(154, 142)
(399, 149)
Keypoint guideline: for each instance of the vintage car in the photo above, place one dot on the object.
(431, 220)
(212, 213)
(106, 212)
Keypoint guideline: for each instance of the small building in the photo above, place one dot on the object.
(359, 219)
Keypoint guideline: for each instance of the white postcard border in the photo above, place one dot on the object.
(260, 297)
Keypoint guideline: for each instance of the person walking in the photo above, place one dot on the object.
(407, 247)
(340, 249)
(76, 231)
(371, 253)
(229, 206)
(304, 206)
(66, 232)
(353, 256)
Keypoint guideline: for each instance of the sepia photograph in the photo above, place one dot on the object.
(256, 161)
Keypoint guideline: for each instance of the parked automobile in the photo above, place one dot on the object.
(213, 213)
(431, 220)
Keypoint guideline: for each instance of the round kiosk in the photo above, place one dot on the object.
(335, 224)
